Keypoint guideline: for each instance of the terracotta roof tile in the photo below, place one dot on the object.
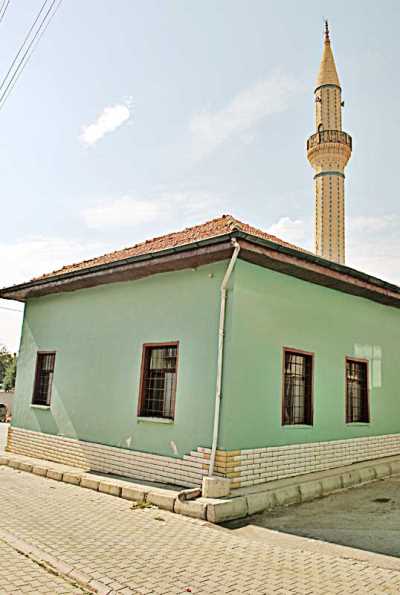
(214, 228)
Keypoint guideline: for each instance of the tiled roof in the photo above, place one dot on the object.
(214, 228)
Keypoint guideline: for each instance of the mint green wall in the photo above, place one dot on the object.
(272, 310)
(98, 335)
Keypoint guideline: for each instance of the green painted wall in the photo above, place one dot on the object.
(272, 310)
(98, 335)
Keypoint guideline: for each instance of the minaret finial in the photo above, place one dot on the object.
(327, 40)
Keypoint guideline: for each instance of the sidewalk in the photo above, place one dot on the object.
(241, 503)
(130, 550)
(20, 575)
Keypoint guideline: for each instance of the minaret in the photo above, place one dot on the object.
(328, 151)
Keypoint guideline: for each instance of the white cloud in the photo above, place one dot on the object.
(111, 118)
(161, 207)
(372, 242)
(22, 260)
(291, 230)
(125, 211)
(373, 246)
(211, 129)
(374, 224)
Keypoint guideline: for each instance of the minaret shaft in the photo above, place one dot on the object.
(328, 151)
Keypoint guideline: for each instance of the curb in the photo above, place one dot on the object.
(54, 565)
(286, 492)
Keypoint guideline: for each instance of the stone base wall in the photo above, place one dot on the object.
(105, 459)
(259, 465)
(244, 467)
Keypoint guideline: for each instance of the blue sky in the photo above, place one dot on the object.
(135, 118)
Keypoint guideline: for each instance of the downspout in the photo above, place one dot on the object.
(220, 361)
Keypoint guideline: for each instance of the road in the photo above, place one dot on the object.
(149, 551)
(365, 517)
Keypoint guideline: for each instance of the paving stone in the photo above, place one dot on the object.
(162, 498)
(367, 474)
(259, 502)
(73, 478)
(38, 469)
(110, 487)
(54, 474)
(394, 467)
(289, 495)
(331, 484)
(193, 508)
(89, 482)
(219, 511)
(136, 493)
(25, 467)
(351, 479)
(146, 550)
(382, 470)
(19, 574)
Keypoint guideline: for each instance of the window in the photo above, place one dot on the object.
(357, 408)
(297, 388)
(43, 378)
(158, 381)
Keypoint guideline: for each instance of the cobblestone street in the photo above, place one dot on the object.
(148, 551)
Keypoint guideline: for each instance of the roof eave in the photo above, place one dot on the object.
(313, 258)
(304, 265)
(16, 292)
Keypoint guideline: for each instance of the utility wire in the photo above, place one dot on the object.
(22, 45)
(18, 70)
(3, 9)
(5, 92)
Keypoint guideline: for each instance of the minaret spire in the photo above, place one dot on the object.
(327, 40)
(328, 151)
(327, 69)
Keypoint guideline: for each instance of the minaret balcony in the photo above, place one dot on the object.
(329, 136)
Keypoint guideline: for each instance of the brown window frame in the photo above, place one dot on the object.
(309, 416)
(146, 351)
(36, 385)
(366, 410)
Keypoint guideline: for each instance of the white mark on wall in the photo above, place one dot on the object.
(373, 353)
(174, 447)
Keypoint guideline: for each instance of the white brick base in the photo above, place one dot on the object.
(243, 467)
(105, 459)
(259, 465)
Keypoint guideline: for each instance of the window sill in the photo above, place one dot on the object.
(40, 406)
(297, 426)
(156, 420)
(358, 423)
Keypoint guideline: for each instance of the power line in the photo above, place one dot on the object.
(28, 51)
(3, 8)
(20, 66)
(7, 94)
(22, 45)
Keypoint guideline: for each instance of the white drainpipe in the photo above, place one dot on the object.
(221, 333)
